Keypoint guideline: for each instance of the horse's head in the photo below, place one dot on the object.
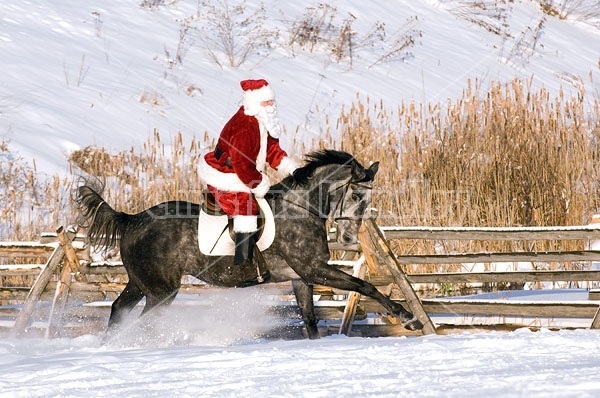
(332, 184)
(350, 198)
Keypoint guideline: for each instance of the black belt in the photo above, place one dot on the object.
(219, 153)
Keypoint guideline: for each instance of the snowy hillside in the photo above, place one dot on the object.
(108, 73)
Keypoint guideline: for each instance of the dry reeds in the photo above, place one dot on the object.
(135, 181)
(511, 157)
(27, 202)
(508, 157)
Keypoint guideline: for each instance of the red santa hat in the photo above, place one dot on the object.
(255, 92)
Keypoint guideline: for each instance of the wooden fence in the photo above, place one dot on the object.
(66, 272)
(537, 309)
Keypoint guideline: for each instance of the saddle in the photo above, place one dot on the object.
(215, 228)
(213, 224)
(211, 207)
(209, 204)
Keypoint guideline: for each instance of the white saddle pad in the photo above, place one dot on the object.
(213, 235)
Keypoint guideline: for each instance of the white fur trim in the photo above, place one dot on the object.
(261, 159)
(261, 189)
(251, 99)
(223, 181)
(287, 166)
(245, 223)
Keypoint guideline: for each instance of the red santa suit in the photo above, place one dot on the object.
(235, 170)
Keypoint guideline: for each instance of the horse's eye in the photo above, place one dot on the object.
(356, 196)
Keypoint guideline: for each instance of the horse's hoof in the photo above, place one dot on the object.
(413, 324)
(106, 338)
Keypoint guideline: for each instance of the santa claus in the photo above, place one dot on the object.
(235, 170)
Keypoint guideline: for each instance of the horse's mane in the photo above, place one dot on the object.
(313, 161)
(317, 159)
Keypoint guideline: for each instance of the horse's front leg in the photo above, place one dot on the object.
(304, 298)
(329, 276)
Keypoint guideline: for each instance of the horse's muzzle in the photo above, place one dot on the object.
(346, 238)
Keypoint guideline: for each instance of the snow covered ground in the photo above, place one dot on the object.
(208, 347)
(518, 364)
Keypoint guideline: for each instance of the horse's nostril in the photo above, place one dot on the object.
(348, 239)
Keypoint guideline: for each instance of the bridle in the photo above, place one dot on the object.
(340, 203)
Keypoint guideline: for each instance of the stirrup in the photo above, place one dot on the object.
(265, 277)
(253, 278)
(262, 272)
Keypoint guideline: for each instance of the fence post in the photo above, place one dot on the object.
(385, 252)
(36, 291)
(596, 321)
(354, 297)
(70, 268)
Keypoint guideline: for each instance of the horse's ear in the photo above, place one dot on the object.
(373, 170)
(358, 172)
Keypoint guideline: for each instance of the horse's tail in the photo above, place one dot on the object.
(105, 226)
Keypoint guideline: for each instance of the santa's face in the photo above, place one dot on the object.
(267, 115)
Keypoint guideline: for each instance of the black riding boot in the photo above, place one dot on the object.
(245, 244)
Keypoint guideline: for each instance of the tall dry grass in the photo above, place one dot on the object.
(510, 157)
(507, 157)
(136, 180)
(28, 202)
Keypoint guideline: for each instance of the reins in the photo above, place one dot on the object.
(311, 212)
(339, 204)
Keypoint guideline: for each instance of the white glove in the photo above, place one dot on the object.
(261, 189)
(287, 166)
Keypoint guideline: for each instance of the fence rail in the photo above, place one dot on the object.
(584, 232)
(378, 264)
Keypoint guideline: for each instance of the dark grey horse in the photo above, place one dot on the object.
(160, 245)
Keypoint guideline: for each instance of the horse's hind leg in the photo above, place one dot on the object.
(128, 299)
(304, 297)
(155, 301)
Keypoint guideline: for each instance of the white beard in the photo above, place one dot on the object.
(267, 116)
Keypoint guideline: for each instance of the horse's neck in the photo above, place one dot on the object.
(299, 201)
(314, 197)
